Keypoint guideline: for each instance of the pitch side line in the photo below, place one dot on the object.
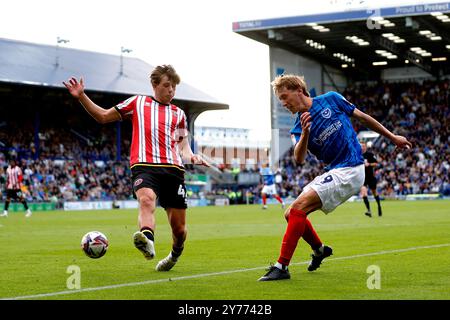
(131, 284)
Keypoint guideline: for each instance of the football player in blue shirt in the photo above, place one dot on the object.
(324, 128)
(269, 187)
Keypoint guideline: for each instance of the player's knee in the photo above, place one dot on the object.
(147, 200)
(294, 205)
(299, 204)
(363, 191)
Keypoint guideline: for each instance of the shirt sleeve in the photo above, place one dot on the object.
(126, 108)
(343, 104)
(182, 129)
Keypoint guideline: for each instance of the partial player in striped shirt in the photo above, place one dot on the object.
(14, 179)
(159, 147)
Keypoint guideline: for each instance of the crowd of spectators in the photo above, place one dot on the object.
(46, 180)
(83, 166)
(71, 166)
(60, 144)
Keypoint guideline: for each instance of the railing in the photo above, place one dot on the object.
(214, 172)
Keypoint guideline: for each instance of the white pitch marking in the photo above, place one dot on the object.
(131, 284)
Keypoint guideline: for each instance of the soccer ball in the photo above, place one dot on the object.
(94, 244)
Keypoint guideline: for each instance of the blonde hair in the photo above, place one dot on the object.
(160, 71)
(290, 82)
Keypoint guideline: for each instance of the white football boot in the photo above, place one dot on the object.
(166, 264)
(144, 245)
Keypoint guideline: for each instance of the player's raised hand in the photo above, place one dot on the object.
(197, 159)
(305, 120)
(76, 89)
(402, 142)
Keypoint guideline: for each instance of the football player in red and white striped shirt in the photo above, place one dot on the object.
(14, 179)
(159, 147)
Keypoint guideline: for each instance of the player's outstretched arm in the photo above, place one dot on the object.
(371, 123)
(101, 115)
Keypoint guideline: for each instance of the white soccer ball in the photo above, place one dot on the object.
(94, 244)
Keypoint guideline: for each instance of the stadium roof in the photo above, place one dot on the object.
(46, 65)
(363, 42)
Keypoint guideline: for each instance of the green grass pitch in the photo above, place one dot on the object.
(227, 250)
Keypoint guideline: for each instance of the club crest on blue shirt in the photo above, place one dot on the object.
(326, 113)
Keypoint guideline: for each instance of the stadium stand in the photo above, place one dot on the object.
(69, 168)
(392, 62)
(66, 154)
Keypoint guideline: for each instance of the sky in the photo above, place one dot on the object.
(195, 36)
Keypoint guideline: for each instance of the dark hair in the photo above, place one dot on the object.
(160, 71)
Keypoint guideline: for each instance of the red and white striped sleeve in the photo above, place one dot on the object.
(127, 107)
(182, 129)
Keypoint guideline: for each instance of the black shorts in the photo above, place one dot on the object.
(167, 182)
(14, 194)
(370, 182)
